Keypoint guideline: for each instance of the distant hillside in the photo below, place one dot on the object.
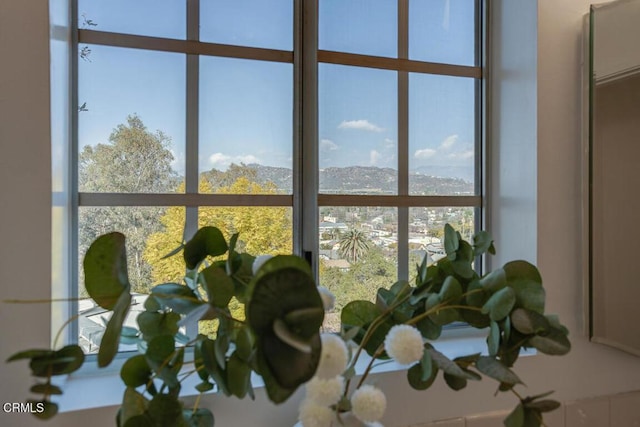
(353, 179)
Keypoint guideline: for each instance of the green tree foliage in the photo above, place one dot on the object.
(354, 244)
(360, 281)
(134, 160)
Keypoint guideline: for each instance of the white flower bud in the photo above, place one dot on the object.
(368, 403)
(404, 344)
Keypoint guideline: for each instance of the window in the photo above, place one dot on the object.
(348, 131)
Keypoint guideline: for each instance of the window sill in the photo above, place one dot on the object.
(455, 342)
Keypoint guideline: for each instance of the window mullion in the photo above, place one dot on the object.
(309, 128)
(403, 140)
(192, 111)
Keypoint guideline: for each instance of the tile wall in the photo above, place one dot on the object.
(620, 410)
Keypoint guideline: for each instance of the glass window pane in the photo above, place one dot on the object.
(426, 232)
(366, 27)
(441, 135)
(358, 254)
(443, 31)
(246, 125)
(262, 229)
(255, 23)
(157, 18)
(151, 232)
(358, 130)
(131, 121)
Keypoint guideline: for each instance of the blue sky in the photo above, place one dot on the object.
(246, 106)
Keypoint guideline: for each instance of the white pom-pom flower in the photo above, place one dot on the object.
(325, 392)
(404, 344)
(259, 261)
(314, 415)
(328, 299)
(368, 403)
(333, 357)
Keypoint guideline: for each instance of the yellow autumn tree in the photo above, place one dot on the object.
(262, 229)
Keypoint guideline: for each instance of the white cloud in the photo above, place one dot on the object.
(449, 142)
(462, 155)
(328, 145)
(425, 153)
(389, 143)
(374, 157)
(221, 160)
(360, 125)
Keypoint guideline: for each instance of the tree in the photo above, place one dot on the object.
(134, 160)
(263, 230)
(353, 245)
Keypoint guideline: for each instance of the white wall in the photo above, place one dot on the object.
(25, 218)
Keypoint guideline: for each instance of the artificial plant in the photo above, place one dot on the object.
(280, 336)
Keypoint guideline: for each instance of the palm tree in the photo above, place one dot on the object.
(353, 245)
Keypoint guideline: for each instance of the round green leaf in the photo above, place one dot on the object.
(105, 270)
(526, 281)
(529, 322)
(219, 286)
(208, 241)
(500, 304)
(49, 409)
(416, 377)
(64, 361)
(135, 371)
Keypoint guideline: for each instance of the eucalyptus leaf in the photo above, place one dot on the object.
(238, 376)
(554, 342)
(500, 304)
(156, 324)
(493, 339)
(546, 405)
(201, 417)
(515, 418)
(455, 382)
(244, 343)
(46, 388)
(451, 242)
(496, 370)
(105, 270)
(133, 404)
(208, 241)
(64, 361)
(179, 298)
(166, 410)
(416, 378)
(110, 342)
(483, 242)
(205, 355)
(359, 313)
(30, 354)
(526, 281)
(50, 409)
(494, 281)
(136, 371)
(451, 290)
(529, 321)
(219, 286)
(447, 365)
